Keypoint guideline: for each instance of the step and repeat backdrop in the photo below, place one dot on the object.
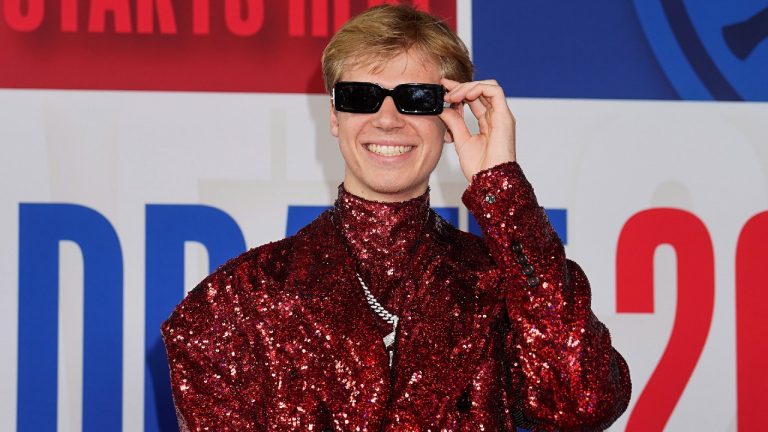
(144, 142)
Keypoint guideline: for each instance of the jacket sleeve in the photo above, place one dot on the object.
(565, 374)
(212, 364)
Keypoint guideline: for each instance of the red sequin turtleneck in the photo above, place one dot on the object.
(381, 238)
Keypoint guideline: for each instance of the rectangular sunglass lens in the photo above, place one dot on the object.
(419, 98)
(357, 97)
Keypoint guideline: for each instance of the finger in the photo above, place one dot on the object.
(456, 125)
(485, 101)
(452, 85)
(490, 95)
(459, 93)
(445, 81)
(449, 83)
(478, 108)
(488, 92)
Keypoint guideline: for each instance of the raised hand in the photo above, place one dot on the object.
(495, 142)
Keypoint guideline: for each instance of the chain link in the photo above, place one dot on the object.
(375, 305)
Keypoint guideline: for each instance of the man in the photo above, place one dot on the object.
(381, 316)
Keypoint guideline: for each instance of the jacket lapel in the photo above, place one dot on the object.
(445, 327)
(344, 339)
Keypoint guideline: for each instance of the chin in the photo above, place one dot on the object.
(398, 191)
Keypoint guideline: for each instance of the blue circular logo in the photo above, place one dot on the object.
(710, 49)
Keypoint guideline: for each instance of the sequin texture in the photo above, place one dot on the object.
(494, 333)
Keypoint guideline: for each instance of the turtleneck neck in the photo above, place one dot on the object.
(382, 238)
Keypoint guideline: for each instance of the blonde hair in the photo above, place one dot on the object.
(383, 32)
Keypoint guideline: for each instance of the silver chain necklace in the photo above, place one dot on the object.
(387, 316)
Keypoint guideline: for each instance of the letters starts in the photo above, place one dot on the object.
(241, 17)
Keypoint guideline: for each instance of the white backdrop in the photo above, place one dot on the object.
(601, 160)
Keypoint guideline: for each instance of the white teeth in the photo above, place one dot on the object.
(389, 150)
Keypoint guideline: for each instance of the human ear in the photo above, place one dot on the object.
(448, 136)
(334, 122)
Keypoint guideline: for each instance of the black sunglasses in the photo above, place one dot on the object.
(366, 98)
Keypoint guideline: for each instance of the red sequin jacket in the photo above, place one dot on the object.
(494, 333)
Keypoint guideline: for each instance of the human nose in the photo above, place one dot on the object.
(387, 117)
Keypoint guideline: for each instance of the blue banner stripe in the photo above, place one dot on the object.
(299, 216)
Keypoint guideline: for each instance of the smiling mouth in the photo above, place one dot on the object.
(386, 150)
